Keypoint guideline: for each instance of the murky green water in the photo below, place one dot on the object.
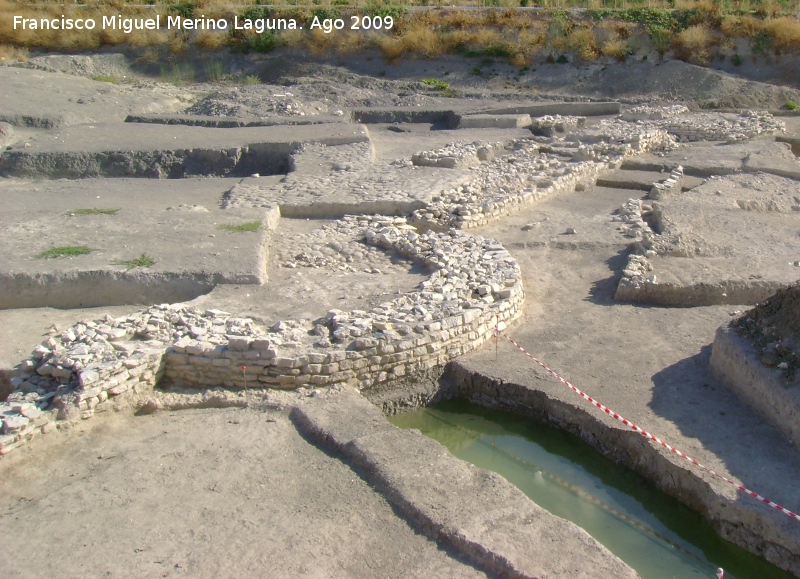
(653, 533)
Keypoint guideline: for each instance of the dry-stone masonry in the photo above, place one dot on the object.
(527, 174)
(554, 125)
(726, 127)
(475, 286)
(668, 186)
(651, 113)
(457, 154)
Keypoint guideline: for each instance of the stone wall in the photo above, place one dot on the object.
(527, 174)
(719, 126)
(553, 125)
(475, 286)
(457, 154)
(668, 186)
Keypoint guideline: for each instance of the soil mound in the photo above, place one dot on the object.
(774, 329)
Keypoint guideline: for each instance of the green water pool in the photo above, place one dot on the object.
(653, 533)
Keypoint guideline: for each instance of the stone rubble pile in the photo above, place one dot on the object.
(653, 113)
(456, 197)
(384, 188)
(726, 127)
(83, 370)
(338, 246)
(623, 138)
(475, 287)
(634, 215)
(527, 174)
(255, 101)
(554, 125)
(457, 154)
(635, 275)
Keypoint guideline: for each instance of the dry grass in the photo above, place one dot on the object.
(618, 49)
(741, 26)
(785, 33)
(421, 40)
(210, 40)
(391, 48)
(461, 19)
(582, 42)
(528, 45)
(13, 54)
(416, 40)
(498, 32)
(694, 44)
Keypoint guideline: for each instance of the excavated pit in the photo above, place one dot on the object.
(87, 289)
(263, 158)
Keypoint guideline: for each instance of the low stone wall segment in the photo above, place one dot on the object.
(475, 286)
(526, 174)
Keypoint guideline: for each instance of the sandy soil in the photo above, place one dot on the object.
(201, 493)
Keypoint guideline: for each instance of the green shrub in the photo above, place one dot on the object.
(325, 14)
(265, 42)
(394, 10)
(790, 106)
(178, 73)
(183, 9)
(256, 13)
(435, 83)
(763, 42)
(214, 70)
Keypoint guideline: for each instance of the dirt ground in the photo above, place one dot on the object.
(202, 493)
(234, 493)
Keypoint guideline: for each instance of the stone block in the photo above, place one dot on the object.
(240, 344)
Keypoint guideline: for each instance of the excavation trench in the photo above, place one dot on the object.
(86, 289)
(261, 158)
(651, 532)
(749, 528)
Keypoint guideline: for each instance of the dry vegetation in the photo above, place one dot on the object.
(696, 31)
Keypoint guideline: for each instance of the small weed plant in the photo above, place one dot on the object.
(65, 251)
(106, 78)
(248, 227)
(436, 83)
(443, 87)
(143, 260)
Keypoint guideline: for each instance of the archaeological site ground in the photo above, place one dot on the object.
(213, 293)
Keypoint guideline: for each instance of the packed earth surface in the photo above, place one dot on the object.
(211, 295)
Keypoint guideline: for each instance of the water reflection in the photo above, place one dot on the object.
(651, 532)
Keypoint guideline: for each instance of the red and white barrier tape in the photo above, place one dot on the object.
(646, 434)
